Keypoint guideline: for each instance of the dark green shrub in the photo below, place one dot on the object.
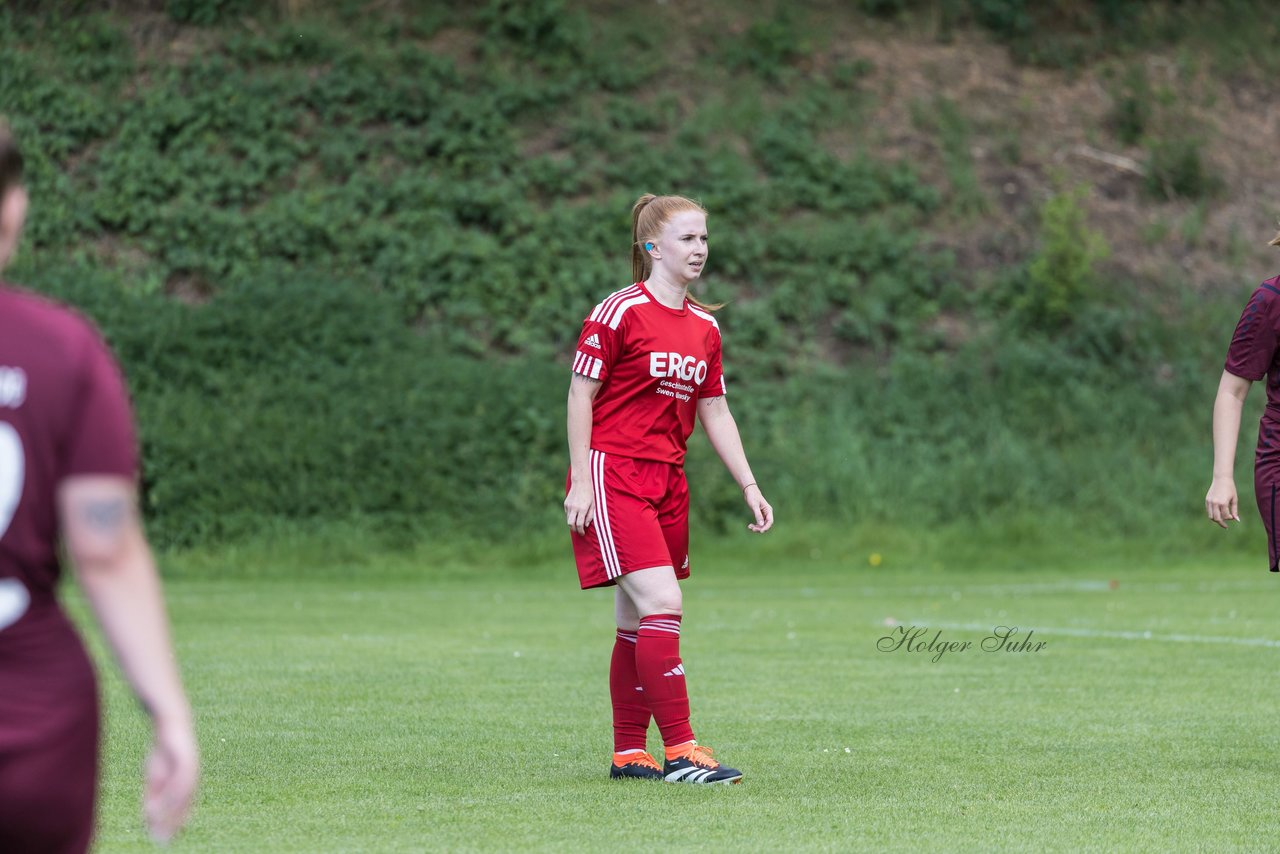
(885, 8)
(546, 32)
(767, 47)
(206, 12)
(1132, 105)
(1009, 19)
(1176, 169)
(1061, 280)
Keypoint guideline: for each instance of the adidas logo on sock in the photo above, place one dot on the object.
(594, 341)
(678, 670)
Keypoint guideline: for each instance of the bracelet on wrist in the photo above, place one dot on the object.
(748, 486)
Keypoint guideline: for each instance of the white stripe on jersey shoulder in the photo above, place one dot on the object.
(705, 315)
(616, 318)
(607, 304)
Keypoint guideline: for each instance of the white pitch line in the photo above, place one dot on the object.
(1030, 587)
(1100, 633)
(1077, 586)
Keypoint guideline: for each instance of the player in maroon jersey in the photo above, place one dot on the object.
(1254, 353)
(68, 471)
(647, 363)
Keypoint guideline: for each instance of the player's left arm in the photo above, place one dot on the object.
(101, 527)
(722, 431)
(105, 541)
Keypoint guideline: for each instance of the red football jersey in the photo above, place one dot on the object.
(655, 363)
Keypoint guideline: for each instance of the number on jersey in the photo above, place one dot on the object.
(11, 475)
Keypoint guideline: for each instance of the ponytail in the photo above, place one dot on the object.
(1276, 241)
(640, 260)
(648, 215)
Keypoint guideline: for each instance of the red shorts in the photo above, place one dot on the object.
(641, 520)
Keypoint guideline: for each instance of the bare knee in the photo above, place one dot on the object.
(673, 605)
(653, 591)
(663, 602)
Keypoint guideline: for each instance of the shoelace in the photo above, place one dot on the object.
(700, 755)
(644, 760)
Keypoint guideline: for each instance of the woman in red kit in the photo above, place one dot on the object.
(68, 471)
(1254, 353)
(647, 363)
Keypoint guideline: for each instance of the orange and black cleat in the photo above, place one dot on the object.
(693, 763)
(640, 766)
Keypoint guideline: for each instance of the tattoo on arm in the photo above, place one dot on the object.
(105, 516)
(586, 378)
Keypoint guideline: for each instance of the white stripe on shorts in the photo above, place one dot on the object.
(604, 533)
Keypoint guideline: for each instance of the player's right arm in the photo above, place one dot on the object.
(103, 535)
(1221, 503)
(579, 504)
(1251, 354)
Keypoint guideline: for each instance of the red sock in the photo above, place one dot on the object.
(630, 712)
(662, 675)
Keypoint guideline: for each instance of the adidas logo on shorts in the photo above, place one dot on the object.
(678, 670)
(593, 341)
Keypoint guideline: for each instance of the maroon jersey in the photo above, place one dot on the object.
(1254, 354)
(1254, 346)
(655, 363)
(63, 412)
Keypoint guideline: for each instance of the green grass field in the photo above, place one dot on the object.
(398, 702)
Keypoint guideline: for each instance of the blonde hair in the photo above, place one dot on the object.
(10, 160)
(648, 215)
(1276, 240)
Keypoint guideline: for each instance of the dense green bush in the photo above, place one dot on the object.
(309, 399)
(344, 269)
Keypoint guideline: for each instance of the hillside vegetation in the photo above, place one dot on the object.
(977, 258)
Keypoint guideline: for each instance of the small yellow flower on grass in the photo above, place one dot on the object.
(875, 559)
